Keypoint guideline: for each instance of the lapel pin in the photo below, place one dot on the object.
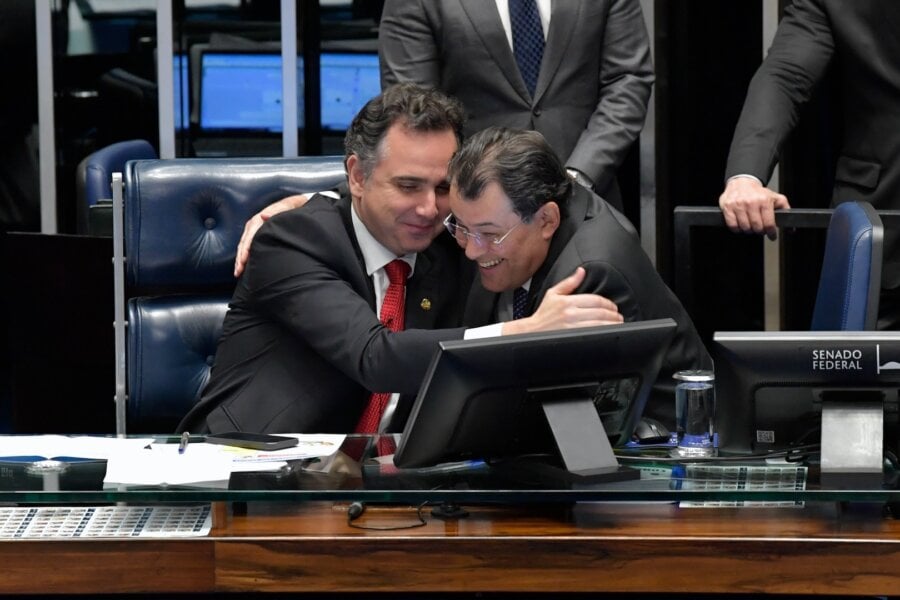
(425, 304)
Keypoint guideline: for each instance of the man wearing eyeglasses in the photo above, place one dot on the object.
(303, 348)
(518, 216)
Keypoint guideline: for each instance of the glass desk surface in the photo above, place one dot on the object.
(726, 481)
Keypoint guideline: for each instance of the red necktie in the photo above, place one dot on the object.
(392, 318)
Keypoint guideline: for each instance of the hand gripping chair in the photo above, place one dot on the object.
(847, 298)
(94, 174)
(179, 230)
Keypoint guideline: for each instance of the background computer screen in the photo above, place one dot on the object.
(180, 83)
(484, 398)
(770, 386)
(348, 81)
(242, 91)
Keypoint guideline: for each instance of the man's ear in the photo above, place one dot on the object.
(549, 219)
(355, 176)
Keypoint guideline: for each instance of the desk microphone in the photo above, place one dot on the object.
(355, 510)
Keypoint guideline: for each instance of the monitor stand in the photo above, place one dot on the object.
(580, 436)
(852, 446)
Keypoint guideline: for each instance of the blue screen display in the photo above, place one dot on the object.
(348, 82)
(242, 91)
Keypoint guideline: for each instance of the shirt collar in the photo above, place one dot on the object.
(375, 255)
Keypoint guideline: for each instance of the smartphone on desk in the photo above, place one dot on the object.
(255, 441)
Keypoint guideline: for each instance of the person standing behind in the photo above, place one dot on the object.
(861, 39)
(578, 71)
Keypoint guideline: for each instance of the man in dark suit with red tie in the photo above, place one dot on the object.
(860, 39)
(303, 347)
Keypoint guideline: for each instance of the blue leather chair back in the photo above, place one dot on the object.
(183, 219)
(94, 173)
(847, 298)
(171, 345)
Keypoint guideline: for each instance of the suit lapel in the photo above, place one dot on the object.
(485, 21)
(423, 292)
(579, 209)
(564, 18)
(481, 306)
(343, 207)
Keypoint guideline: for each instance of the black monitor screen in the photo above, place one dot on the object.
(496, 398)
(779, 390)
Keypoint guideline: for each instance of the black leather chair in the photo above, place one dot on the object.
(181, 225)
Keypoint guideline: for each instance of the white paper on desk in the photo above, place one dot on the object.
(255, 466)
(50, 446)
(202, 465)
(311, 445)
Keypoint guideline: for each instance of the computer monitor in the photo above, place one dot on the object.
(180, 88)
(777, 390)
(348, 80)
(241, 91)
(572, 393)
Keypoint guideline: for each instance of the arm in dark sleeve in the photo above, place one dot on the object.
(625, 81)
(800, 53)
(304, 275)
(406, 44)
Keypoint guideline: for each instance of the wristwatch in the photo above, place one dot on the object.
(581, 178)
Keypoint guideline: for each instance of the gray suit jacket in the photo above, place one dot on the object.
(595, 236)
(592, 91)
(861, 39)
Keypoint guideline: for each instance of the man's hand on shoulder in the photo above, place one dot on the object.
(256, 221)
(560, 309)
(750, 206)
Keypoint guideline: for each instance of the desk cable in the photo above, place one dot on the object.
(357, 508)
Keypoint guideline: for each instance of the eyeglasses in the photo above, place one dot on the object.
(463, 235)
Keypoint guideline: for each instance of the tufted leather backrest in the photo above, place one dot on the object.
(182, 222)
(184, 217)
(171, 346)
(850, 283)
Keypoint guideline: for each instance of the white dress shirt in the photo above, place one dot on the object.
(543, 7)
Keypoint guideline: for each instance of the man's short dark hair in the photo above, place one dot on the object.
(419, 108)
(522, 162)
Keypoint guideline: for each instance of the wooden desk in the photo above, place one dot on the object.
(590, 548)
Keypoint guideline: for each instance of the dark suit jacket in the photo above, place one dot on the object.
(592, 91)
(302, 347)
(861, 38)
(597, 237)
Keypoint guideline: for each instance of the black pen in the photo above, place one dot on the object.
(185, 438)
